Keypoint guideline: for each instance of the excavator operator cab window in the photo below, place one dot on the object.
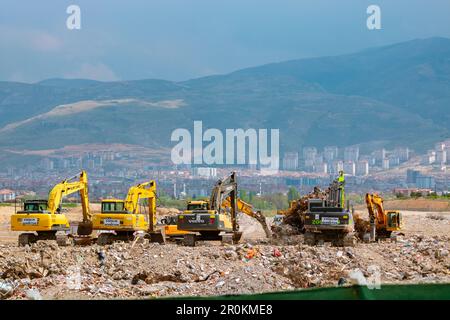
(393, 219)
(197, 206)
(34, 207)
(108, 207)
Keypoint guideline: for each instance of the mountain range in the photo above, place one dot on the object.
(396, 95)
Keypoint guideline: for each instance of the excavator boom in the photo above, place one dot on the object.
(376, 209)
(67, 187)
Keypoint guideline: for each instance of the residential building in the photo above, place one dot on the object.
(439, 146)
(441, 157)
(330, 153)
(425, 182)
(336, 166)
(318, 159)
(309, 153)
(430, 157)
(349, 168)
(379, 156)
(393, 161)
(48, 164)
(385, 164)
(447, 153)
(402, 153)
(290, 161)
(362, 168)
(205, 172)
(321, 168)
(7, 195)
(351, 154)
(411, 175)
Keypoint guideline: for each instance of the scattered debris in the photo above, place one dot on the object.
(45, 271)
(276, 253)
(33, 294)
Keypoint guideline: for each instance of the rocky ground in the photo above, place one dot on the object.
(143, 270)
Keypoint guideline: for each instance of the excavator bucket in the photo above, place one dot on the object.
(262, 220)
(237, 235)
(84, 228)
(157, 236)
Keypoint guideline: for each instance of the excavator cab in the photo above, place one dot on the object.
(35, 217)
(113, 206)
(197, 205)
(394, 220)
(35, 206)
(114, 216)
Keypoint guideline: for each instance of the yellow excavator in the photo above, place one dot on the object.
(43, 219)
(215, 219)
(123, 218)
(383, 223)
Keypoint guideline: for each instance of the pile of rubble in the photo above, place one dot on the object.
(144, 270)
(294, 215)
(411, 260)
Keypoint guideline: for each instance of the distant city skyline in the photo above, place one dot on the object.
(179, 39)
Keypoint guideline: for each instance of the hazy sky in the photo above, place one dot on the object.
(182, 39)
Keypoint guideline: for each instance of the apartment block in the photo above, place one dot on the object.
(349, 168)
(330, 153)
(309, 153)
(290, 161)
(362, 168)
(351, 154)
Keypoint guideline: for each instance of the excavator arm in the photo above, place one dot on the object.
(248, 209)
(147, 191)
(376, 209)
(377, 214)
(67, 187)
(225, 189)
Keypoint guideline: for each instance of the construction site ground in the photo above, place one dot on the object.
(256, 265)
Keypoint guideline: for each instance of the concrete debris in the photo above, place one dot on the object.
(33, 294)
(145, 270)
(6, 289)
(42, 270)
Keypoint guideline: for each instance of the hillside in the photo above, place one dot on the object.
(392, 95)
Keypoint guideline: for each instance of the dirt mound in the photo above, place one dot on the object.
(161, 212)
